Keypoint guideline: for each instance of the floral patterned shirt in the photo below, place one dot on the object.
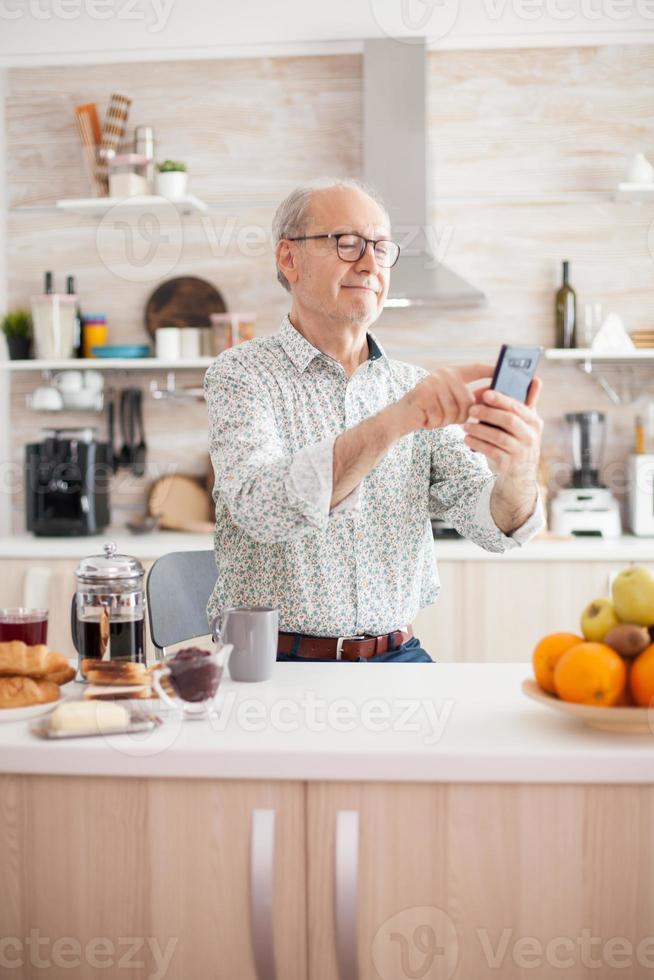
(276, 406)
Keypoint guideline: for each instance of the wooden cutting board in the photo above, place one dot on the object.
(186, 301)
(181, 504)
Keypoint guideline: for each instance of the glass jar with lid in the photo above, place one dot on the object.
(107, 613)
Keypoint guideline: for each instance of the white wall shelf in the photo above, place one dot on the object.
(635, 193)
(109, 364)
(588, 354)
(626, 385)
(96, 207)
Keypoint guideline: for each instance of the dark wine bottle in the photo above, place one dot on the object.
(47, 287)
(566, 312)
(78, 339)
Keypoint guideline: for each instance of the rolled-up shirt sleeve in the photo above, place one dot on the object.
(271, 495)
(461, 485)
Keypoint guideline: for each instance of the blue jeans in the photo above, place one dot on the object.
(409, 652)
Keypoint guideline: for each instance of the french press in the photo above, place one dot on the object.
(108, 607)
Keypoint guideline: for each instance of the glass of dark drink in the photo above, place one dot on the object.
(189, 679)
(28, 625)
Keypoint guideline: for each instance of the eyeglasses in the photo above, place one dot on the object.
(351, 248)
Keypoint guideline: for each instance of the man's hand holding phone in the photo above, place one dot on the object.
(505, 430)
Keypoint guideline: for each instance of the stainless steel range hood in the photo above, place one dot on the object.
(395, 165)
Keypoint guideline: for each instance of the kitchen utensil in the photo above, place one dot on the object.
(230, 329)
(46, 400)
(93, 335)
(185, 301)
(111, 422)
(107, 608)
(139, 721)
(138, 460)
(83, 399)
(586, 507)
(180, 502)
(121, 350)
(67, 381)
(28, 625)
(144, 145)
(93, 380)
(190, 342)
(167, 343)
(30, 710)
(252, 631)
(112, 132)
(88, 125)
(128, 422)
(67, 483)
(631, 721)
(53, 319)
(640, 492)
(189, 680)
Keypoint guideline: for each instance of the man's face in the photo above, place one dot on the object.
(345, 291)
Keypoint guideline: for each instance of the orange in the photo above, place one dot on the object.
(547, 654)
(642, 677)
(591, 673)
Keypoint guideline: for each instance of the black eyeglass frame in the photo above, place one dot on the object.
(352, 234)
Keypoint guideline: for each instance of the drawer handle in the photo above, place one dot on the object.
(262, 861)
(346, 885)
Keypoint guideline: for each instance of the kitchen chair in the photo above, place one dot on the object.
(178, 589)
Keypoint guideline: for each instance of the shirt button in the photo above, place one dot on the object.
(365, 583)
(360, 536)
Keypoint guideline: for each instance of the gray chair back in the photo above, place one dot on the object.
(178, 589)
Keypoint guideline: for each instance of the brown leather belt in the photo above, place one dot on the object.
(341, 647)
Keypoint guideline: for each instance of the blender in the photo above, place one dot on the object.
(586, 508)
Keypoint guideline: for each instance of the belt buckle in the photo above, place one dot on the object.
(340, 640)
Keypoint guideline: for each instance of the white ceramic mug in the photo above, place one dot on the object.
(190, 338)
(252, 632)
(168, 344)
(46, 400)
(68, 381)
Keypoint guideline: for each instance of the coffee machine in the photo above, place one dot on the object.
(67, 478)
(586, 508)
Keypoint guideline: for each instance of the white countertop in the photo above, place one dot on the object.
(153, 545)
(358, 721)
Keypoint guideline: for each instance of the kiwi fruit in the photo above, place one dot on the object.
(627, 639)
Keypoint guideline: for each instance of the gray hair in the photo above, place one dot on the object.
(292, 215)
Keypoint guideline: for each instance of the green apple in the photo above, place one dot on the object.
(597, 619)
(633, 595)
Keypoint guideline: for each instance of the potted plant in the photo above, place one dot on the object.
(17, 328)
(171, 178)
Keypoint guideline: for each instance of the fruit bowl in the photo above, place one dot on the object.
(634, 721)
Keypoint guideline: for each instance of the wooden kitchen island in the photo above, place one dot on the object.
(354, 821)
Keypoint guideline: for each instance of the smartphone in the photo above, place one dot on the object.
(515, 368)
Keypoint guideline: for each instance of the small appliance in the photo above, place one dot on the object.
(640, 470)
(67, 478)
(586, 508)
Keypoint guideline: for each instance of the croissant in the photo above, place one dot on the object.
(18, 658)
(19, 692)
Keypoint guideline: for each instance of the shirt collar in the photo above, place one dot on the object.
(301, 352)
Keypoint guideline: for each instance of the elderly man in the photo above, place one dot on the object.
(330, 457)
